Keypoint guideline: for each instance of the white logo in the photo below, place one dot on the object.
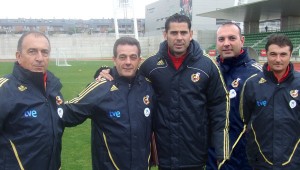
(60, 112)
(146, 111)
(232, 93)
(293, 104)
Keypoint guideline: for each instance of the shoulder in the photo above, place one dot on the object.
(255, 65)
(101, 88)
(3, 81)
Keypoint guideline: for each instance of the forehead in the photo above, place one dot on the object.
(277, 49)
(178, 26)
(127, 49)
(227, 30)
(35, 41)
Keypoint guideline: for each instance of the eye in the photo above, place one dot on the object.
(122, 57)
(133, 57)
(45, 53)
(221, 39)
(32, 52)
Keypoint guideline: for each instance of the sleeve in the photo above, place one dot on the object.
(245, 102)
(218, 114)
(84, 105)
(6, 102)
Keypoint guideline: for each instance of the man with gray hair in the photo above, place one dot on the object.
(30, 117)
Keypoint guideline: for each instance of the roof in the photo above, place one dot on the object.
(257, 11)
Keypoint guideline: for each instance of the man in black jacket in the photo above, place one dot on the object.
(192, 100)
(30, 117)
(270, 109)
(236, 67)
(121, 112)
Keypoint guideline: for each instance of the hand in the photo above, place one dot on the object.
(104, 74)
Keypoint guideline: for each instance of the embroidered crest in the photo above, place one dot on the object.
(60, 112)
(22, 88)
(146, 99)
(147, 112)
(235, 83)
(195, 77)
(262, 80)
(294, 93)
(59, 101)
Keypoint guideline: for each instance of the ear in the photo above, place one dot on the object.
(114, 59)
(191, 34)
(18, 56)
(165, 35)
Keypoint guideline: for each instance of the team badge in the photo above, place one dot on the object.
(235, 83)
(262, 80)
(293, 104)
(232, 93)
(146, 111)
(59, 101)
(22, 88)
(195, 77)
(294, 93)
(60, 112)
(146, 100)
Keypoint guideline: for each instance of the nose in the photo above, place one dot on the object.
(39, 56)
(128, 60)
(226, 42)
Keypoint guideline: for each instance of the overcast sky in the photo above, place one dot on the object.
(66, 9)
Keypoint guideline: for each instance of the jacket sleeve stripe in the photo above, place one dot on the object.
(87, 90)
(16, 154)
(2, 81)
(242, 99)
(226, 128)
(109, 153)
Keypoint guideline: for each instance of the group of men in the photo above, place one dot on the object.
(230, 114)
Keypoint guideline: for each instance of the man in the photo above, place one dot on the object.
(121, 112)
(236, 66)
(192, 102)
(30, 115)
(270, 108)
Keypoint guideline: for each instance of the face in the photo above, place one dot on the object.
(178, 38)
(127, 61)
(229, 41)
(35, 52)
(278, 58)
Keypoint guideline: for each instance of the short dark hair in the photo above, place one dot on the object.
(177, 18)
(234, 24)
(36, 33)
(279, 39)
(124, 41)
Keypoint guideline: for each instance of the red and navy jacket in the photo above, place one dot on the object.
(192, 108)
(121, 114)
(271, 111)
(30, 121)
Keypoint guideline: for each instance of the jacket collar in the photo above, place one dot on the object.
(36, 78)
(194, 52)
(119, 79)
(229, 63)
(273, 78)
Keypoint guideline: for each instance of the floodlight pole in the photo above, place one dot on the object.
(136, 34)
(116, 20)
